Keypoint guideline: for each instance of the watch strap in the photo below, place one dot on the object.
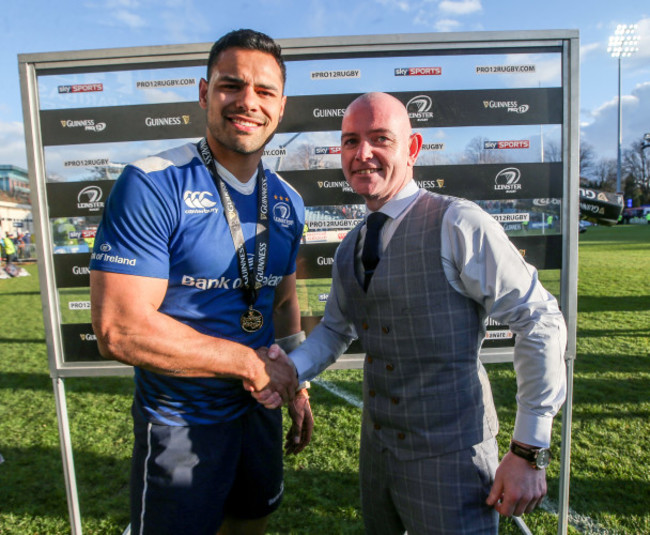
(529, 454)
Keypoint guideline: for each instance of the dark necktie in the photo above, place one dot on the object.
(370, 253)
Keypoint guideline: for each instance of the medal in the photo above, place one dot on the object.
(251, 320)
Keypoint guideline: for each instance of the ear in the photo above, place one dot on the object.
(415, 145)
(203, 93)
(284, 103)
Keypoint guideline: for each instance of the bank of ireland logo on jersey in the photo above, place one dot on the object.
(282, 211)
(199, 202)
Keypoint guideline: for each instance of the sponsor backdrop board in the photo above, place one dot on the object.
(492, 113)
(498, 112)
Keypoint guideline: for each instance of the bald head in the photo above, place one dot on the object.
(377, 103)
(378, 148)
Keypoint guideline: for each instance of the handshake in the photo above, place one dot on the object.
(275, 380)
(276, 383)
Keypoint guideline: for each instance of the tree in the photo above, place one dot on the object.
(304, 157)
(592, 170)
(476, 153)
(553, 152)
(632, 191)
(603, 174)
(588, 159)
(636, 167)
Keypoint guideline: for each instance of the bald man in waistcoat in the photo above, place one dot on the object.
(415, 283)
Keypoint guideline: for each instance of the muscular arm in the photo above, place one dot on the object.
(286, 318)
(130, 329)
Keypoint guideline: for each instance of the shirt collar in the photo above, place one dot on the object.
(400, 201)
(245, 188)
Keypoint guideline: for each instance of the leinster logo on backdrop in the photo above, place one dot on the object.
(508, 180)
(282, 214)
(419, 108)
(89, 199)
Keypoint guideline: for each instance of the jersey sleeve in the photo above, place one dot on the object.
(300, 224)
(298, 227)
(133, 236)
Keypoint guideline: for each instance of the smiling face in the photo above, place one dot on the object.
(244, 104)
(378, 150)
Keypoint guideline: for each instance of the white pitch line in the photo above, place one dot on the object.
(332, 388)
(582, 523)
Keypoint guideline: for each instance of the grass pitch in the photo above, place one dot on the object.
(610, 478)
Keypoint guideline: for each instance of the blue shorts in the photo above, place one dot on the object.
(186, 479)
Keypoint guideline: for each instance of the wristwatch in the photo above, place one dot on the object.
(538, 458)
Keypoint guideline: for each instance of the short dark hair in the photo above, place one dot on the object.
(250, 40)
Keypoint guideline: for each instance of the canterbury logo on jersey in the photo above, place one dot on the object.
(199, 202)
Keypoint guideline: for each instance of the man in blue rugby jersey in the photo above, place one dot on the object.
(193, 279)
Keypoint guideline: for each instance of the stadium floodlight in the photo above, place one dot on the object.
(623, 43)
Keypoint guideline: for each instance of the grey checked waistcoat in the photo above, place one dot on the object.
(425, 391)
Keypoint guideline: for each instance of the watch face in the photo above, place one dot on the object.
(543, 458)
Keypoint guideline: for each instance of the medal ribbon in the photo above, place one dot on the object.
(250, 287)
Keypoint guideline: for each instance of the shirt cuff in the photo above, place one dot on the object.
(306, 368)
(291, 342)
(322, 347)
(533, 430)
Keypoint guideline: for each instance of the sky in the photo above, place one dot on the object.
(35, 26)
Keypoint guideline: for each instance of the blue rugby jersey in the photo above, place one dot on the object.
(164, 219)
